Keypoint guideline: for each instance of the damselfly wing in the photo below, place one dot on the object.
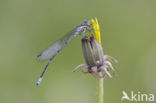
(55, 47)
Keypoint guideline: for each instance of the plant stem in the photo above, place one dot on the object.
(100, 90)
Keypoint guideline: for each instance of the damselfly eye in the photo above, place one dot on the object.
(86, 22)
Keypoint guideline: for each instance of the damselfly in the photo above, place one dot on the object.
(56, 47)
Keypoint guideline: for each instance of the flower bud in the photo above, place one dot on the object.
(92, 51)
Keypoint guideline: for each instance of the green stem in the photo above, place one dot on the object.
(100, 90)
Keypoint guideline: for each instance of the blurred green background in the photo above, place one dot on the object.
(27, 27)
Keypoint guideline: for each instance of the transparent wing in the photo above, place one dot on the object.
(55, 47)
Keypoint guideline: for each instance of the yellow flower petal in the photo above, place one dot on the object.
(96, 28)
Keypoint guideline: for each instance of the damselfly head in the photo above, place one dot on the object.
(87, 22)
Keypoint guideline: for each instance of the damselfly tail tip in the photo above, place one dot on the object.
(39, 81)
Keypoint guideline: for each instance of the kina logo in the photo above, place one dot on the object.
(137, 97)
